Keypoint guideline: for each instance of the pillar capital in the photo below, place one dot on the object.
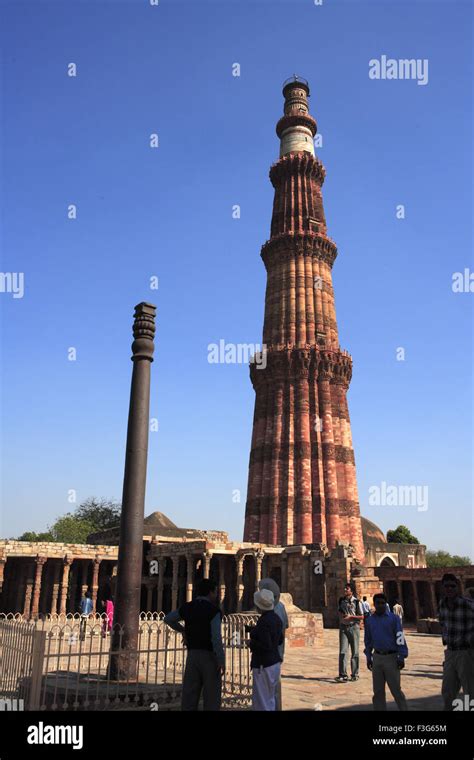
(144, 332)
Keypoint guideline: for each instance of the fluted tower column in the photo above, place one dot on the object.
(302, 484)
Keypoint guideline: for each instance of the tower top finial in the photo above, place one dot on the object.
(295, 81)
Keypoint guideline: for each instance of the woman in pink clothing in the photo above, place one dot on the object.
(108, 606)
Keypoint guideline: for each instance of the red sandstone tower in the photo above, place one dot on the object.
(302, 485)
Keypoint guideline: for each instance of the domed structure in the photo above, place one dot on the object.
(371, 532)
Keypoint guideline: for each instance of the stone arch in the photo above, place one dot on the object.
(387, 561)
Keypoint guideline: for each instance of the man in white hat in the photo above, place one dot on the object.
(265, 639)
(279, 610)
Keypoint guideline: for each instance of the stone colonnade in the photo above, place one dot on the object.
(43, 584)
(175, 572)
(419, 590)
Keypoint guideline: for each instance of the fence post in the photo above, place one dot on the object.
(37, 657)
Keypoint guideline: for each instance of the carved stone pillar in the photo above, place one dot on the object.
(161, 580)
(174, 583)
(95, 582)
(73, 586)
(54, 598)
(222, 587)
(189, 577)
(67, 562)
(28, 589)
(207, 556)
(239, 558)
(258, 567)
(40, 562)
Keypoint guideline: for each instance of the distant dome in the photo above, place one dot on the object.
(158, 520)
(371, 533)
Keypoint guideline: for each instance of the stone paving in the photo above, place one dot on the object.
(308, 677)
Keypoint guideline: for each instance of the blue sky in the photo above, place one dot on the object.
(167, 212)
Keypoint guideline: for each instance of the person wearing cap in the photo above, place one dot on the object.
(280, 610)
(265, 639)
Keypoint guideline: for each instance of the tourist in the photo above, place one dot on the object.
(470, 592)
(107, 603)
(205, 660)
(86, 608)
(365, 607)
(265, 639)
(397, 609)
(350, 615)
(456, 617)
(386, 651)
(279, 609)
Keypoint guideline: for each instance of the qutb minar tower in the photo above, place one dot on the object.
(302, 485)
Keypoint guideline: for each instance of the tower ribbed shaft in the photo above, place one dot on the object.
(302, 482)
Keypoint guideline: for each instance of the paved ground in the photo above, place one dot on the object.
(308, 677)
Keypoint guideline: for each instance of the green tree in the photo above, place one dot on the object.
(32, 536)
(401, 535)
(71, 529)
(90, 516)
(101, 513)
(442, 558)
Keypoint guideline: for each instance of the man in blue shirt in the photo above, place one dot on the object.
(205, 660)
(386, 650)
(86, 608)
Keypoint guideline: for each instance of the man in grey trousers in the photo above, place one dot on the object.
(205, 660)
(386, 652)
(350, 615)
(279, 609)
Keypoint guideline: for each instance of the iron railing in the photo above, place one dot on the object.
(61, 662)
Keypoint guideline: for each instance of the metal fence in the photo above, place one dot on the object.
(61, 662)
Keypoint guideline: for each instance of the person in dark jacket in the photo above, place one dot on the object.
(265, 639)
(205, 660)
